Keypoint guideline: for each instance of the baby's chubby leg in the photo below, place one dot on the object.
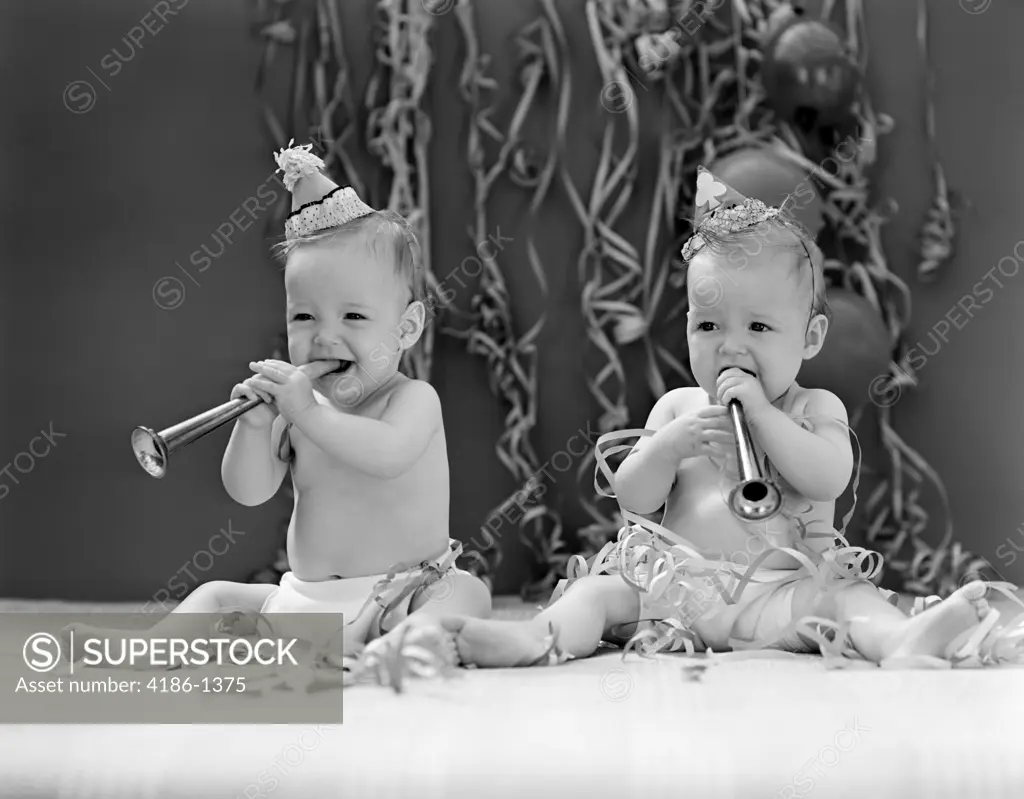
(880, 631)
(580, 618)
(184, 622)
(456, 594)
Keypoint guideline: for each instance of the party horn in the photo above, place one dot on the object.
(153, 450)
(754, 499)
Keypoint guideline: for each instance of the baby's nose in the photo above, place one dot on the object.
(733, 342)
(326, 335)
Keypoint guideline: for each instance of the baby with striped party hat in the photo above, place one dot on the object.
(364, 443)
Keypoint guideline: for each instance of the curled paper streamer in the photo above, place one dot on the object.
(422, 576)
(399, 131)
(511, 358)
(938, 234)
(553, 654)
(610, 268)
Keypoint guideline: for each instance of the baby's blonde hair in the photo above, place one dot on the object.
(780, 233)
(381, 228)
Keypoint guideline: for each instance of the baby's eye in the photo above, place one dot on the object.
(302, 317)
(355, 316)
(704, 327)
(759, 327)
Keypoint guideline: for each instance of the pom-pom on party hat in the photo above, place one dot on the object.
(318, 202)
(720, 209)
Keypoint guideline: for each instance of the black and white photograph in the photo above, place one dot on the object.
(511, 398)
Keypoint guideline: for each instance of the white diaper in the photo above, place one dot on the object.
(366, 606)
(345, 596)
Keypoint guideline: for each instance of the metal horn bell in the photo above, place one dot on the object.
(153, 450)
(754, 499)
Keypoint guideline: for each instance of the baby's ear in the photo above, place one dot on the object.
(814, 339)
(411, 327)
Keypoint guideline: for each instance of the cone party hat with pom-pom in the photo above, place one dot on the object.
(318, 203)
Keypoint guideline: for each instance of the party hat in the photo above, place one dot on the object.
(318, 202)
(720, 209)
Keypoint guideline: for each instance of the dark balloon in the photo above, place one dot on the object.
(768, 176)
(856, 351)
(808, 74)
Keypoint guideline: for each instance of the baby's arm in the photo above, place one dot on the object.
(817, 464)
(384, 448)
(251, 471)
(648, 472)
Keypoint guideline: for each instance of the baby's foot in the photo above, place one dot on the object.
(931, 632)
(419, 630)
(418, 647)
(500, 644)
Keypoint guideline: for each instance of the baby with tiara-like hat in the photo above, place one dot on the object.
(365, 444)
(705, 579)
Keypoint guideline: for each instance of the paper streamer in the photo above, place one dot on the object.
(610, 273)
(938, 234)
(512, 360)
(398, 126)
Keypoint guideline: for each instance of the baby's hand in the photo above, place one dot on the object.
(702, 432)
(262, 415)
(290, 386)
(735, 384)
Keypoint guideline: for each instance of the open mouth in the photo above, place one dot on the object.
(343, 367)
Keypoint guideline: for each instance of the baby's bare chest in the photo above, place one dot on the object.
(313, 470)
(316, 474)
(699, 505)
